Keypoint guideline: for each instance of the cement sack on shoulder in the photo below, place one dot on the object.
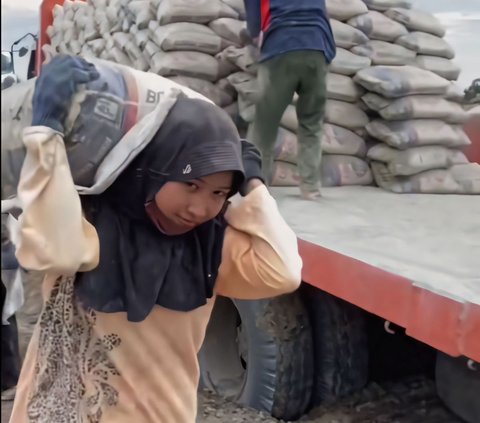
(418, 132)
(343, 10)
(384, 53)
(244, 58)
(238, 6)
(335, 140)
(336, 171)
(196, 11)
(206, 88)
(439, 65)
(186, 63)
(416, 20)
(100, 141)
(398, 81)
(427, 44)
(347, 63)
(459, 179)
(229, 29)
(424, 107)
(341, 87)
(416, 159)
(376, 26)
(186, 36)
(382, 5)
(346, 36)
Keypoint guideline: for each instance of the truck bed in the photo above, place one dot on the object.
(412, 259)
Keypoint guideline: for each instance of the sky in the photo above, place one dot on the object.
(462, 18)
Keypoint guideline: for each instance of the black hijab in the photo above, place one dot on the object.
(140, 266)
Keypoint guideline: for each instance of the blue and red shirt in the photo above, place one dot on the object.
(289, 25)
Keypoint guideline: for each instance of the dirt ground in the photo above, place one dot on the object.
(408, 401)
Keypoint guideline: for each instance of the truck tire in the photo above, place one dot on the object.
(458, 386)
(340, 346)
(260, 354)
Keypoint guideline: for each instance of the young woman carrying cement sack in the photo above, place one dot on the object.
(131, 274)
(297, 44)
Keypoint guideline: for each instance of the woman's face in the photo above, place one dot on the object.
(182, 206)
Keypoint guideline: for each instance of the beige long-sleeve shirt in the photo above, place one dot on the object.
(87, 366)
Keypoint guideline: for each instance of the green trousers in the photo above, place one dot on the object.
(303, 72)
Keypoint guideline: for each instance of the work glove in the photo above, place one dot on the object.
(252, 165)
(55, 87)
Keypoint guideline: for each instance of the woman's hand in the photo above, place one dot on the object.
(252, 164)
(55, 87)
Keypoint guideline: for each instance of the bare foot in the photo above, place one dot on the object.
(310, 195)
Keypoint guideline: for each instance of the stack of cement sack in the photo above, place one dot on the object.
(412, 102)
(400, 35)
(343, 144)
(420, 132)
(182, 40)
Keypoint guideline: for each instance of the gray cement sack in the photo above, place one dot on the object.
(229, 29)
(238, 6)
(346, 115)
(346, 36)
(186, 36)
(220, 97)
(419, 132)
(383, 5)
(422, 107)
(343, 10)
(455, 93)
(416, 159)
(335, 140)
(109, 122)
(244, 58)
(247, 87)
(341, 87)
(459, 179)
(186, 63)
(338, 113)
(376, 26)
(416, 20)
(399, 81)
(426, 44)
(347, 63)
(335, 171)
(384, 53)
(439, 65)
(196, 11)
